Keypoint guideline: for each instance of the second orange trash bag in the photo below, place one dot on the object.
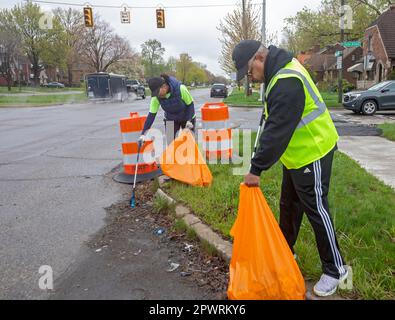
(262, 266)
(183, 162)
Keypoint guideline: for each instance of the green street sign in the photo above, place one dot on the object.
(350, 44)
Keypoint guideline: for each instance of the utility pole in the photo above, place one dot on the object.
(244, 21)
(264, 22)
(340, 70)
(247, 82)
(264, 39)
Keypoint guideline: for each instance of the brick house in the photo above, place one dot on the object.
(378, 59)
(306, 55)
(319, 61)
(351, 56)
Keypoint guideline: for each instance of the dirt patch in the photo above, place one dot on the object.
(185, 254)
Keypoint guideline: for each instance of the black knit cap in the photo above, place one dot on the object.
(243, 53)
(154, 84)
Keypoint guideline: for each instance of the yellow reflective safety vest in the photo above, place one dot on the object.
(316, 134)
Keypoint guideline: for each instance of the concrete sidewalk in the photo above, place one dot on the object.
(375, 154)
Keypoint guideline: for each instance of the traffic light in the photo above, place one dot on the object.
(160, 18)
(88, 17)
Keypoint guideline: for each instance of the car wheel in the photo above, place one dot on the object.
(369, 108)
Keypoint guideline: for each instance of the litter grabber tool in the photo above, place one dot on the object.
(260, 124)
(133, 198)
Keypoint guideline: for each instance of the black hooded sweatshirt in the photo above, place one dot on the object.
(286, 102)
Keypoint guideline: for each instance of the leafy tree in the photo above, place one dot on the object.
(184, 66)
(26, 19)
(152, 55)
(310, 27)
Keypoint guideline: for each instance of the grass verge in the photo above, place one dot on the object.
(15, 90)
(362, 208)
(238, 99)
(31, 101)
(388, 130)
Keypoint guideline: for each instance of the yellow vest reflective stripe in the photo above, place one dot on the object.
(316, 134)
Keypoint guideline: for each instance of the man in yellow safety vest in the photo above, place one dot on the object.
(300, 133)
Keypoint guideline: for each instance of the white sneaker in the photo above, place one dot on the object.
(328, 285)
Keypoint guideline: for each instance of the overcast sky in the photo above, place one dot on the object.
(191, 30)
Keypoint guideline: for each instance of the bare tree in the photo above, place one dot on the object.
(10, 46)
(233, 31)
(72, 23)
(102, 47)
(152, 54)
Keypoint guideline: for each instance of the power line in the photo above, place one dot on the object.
(135, 7)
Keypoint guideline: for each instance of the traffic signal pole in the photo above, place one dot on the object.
(340, 71)
(263, 41)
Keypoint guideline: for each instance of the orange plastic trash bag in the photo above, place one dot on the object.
(183, 162)
(262, 265)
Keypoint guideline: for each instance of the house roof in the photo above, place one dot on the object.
(320, 62)
(346, 53)
(386, 23)
(302, 57)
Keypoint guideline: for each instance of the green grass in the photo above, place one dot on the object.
(15, 90)
(238, 99)
(388, 130)
(362, 208)
(162, 206)
(331, 99)
(51, 99)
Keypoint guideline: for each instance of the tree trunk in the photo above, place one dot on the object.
(70, 74)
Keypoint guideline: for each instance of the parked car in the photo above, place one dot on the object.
(219, 90)
(377, 98)
(134, 86)
(54, 85)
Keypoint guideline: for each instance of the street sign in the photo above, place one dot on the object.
(339, 63)
(351, 44)
(125, 15)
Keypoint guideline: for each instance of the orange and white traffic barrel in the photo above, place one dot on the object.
(216, 132)
(147, 169)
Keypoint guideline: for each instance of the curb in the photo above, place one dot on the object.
(203, 232)
(223, 247)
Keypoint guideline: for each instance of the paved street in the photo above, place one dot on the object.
(54, 185)
(56, 180)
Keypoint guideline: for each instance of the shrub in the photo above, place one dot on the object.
(391, 76)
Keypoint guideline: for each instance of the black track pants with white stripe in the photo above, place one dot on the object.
(306, 191)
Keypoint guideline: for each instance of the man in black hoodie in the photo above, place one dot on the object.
(298, 131)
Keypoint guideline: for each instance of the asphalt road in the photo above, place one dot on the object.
(54, 185)
(56, 180)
